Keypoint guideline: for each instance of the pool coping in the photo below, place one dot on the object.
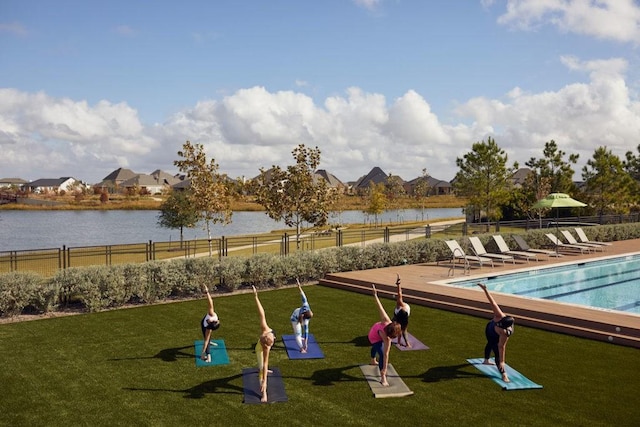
(425, 284)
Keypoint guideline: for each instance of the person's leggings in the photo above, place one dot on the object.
(492, 345)
(376, 349)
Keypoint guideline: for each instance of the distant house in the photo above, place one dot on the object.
(111, 183)
(12, 182)
(376, 176)
(437, 187)
(45, 185)
(155, 183)
(331, 180)
(519, 177)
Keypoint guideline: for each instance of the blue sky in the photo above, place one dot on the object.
(87, 87)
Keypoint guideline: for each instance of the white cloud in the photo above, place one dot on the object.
(15, 28)
(124, 30)
(617, 20)
(368, 4)
(253, 128)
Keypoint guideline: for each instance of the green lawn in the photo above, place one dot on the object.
(136, 367)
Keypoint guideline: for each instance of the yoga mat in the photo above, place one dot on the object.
(518, 381)
(415, 343)
(251, 386)
(219, 354)
(396, 388)
(293, 351)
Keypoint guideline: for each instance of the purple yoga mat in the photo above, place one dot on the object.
(413, 341)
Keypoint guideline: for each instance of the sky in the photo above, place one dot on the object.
(87, 87)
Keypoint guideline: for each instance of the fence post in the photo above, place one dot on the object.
(464, 228)
(497, 226)
(427, 231)
(386, 234)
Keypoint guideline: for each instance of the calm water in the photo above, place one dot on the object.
(20, 230)
(612, 284)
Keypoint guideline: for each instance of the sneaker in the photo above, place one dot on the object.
(208, 358)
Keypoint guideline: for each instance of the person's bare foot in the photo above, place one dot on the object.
(383, 381)
(304, 350)
(505, 378)
(373, 362)
(488, 362)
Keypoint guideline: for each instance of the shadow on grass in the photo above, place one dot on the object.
(215, 386)
(166, 355)
(445, 373)
(330, 376)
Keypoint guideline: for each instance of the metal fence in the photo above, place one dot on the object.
(48, 261)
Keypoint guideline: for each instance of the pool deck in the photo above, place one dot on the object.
(420, 286)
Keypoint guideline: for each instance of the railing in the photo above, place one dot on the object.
(48, 261)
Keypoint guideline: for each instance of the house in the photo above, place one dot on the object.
(111, 183)
(331, 180)
(375, 176)
(437, 187)
(12, 182)
(155, 183)
(519, 177)
(45, 185)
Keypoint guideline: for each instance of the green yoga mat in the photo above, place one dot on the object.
(517, 380)
(396, 387)
(218, 351)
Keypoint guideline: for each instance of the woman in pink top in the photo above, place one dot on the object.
(380, 336)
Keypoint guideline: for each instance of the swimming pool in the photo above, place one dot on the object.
(610, 283)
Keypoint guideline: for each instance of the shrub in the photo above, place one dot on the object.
(17, 291)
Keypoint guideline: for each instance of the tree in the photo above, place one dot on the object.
(177, 211)
(393, 186)
(421, 189)
(209, 192)
(632, 166)
(484, 178)
(295, 196)
(377, 200)
(553, 170)
(608, 187)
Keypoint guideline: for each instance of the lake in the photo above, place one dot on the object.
(22, 230)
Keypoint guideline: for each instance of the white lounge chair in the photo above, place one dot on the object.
(559, 245)
(480, 250)
(457, 253)
(584, 239)
(572, 240)
(524, 246)
(504, 249)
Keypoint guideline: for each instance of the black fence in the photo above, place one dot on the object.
(49, 261)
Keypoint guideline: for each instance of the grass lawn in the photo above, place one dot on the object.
(136, 367)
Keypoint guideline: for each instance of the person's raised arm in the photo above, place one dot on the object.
(210, 311)
(497, 312)
(383, 315)
(263, 318)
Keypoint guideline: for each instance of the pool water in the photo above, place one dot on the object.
(611, 284)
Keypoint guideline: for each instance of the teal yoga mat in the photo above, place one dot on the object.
(518, 381)
(219, 354)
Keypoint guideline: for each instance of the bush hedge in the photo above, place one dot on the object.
(97, 288)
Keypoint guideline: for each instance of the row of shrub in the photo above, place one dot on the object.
(100, 287)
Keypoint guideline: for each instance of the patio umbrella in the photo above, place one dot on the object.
(557, 201)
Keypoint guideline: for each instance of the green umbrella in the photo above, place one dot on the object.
(557, 200)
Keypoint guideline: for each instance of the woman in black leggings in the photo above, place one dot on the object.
(497, 331)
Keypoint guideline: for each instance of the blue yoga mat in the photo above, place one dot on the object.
(251, 386)
(518, 381)
(219, 354)
(415, 343)
(293, 351)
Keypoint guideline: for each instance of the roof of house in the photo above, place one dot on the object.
(120, 174)
(49, 182)
(519, 177)
(15, 181)
(431, 182)
(376, 175)
(330, 178)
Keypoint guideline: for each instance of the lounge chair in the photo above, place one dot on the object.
(504, 249)
(524, 246)
(572, 240)
(457, 253)
(479, 249)
(560, 245)
(584, 239)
